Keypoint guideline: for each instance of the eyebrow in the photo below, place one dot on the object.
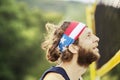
(89, 31)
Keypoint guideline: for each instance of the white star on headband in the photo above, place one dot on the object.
(58, 48)
(62, 40)
(64, 48)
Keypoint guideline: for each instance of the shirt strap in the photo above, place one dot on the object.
(58, 70)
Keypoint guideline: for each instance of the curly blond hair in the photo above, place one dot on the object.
(52, 39)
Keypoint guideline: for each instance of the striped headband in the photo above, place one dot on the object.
(72, 33)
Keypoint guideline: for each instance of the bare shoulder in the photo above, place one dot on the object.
(53, 76)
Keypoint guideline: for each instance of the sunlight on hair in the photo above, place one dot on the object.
(49, 35)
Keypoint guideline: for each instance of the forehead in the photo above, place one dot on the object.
(85, 32)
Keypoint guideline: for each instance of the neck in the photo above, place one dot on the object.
(73, 70)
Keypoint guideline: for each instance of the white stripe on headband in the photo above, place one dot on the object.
(77, 30)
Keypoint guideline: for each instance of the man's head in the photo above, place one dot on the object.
(79, 39)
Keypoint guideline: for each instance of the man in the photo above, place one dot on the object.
(74, 46)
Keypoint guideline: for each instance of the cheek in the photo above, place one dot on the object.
(86, 44)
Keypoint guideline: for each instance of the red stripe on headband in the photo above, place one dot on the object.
(70, 28)
(79, 33)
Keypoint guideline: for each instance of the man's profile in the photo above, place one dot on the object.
(73, 46)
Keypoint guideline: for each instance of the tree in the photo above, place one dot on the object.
(21, 32)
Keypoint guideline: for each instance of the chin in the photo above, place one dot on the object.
(86, 57)
(96, 53)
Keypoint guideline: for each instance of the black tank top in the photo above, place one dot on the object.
(58, 70)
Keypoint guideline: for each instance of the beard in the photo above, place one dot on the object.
(86, 57)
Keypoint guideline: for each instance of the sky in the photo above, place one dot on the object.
(84, 1)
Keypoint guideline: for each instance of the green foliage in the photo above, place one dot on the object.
(21, 33)
(51, 16)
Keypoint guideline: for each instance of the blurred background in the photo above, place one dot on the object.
(22, 27)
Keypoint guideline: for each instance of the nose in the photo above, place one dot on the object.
(96, 39)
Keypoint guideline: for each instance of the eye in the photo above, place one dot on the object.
(88, 35)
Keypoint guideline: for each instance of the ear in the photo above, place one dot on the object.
(73, 48)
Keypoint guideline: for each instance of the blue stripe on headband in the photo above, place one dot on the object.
(64, 42)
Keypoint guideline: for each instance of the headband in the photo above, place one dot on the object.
(72, 33)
